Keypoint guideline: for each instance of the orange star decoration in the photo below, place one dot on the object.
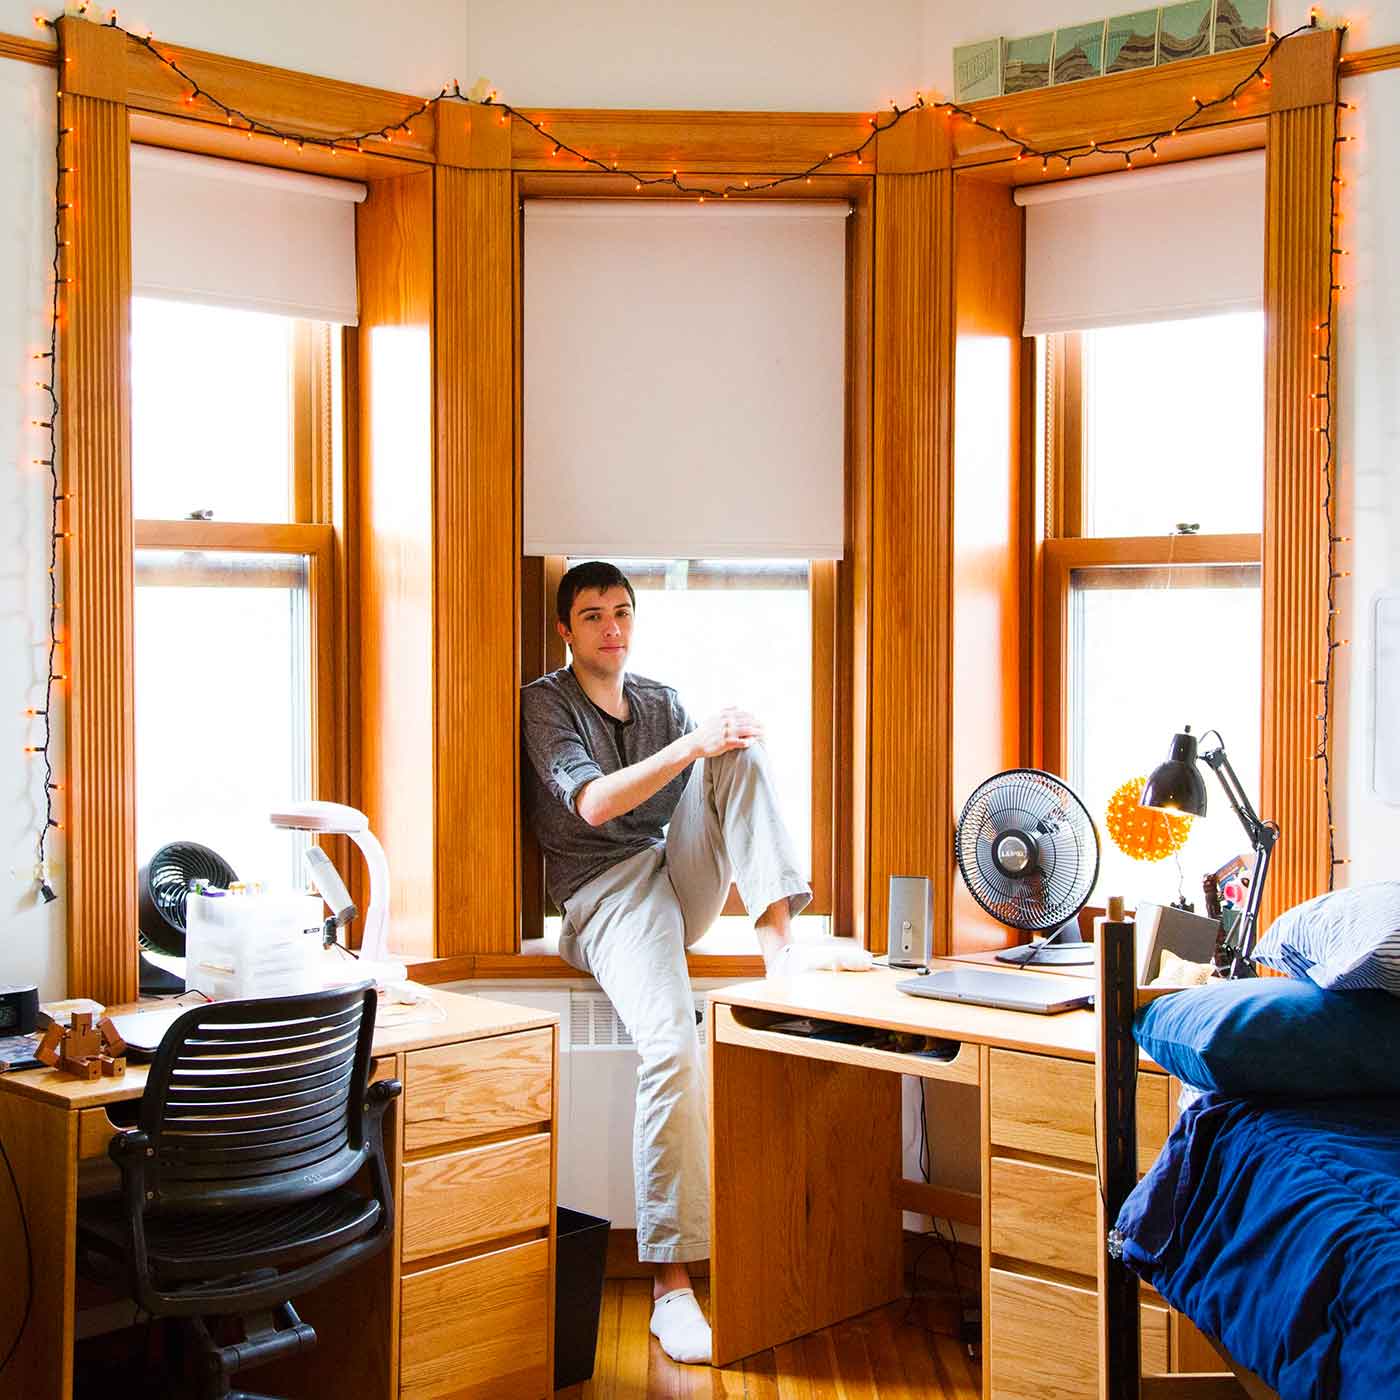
(1141, 832)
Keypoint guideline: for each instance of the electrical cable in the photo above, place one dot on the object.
(28, 1261)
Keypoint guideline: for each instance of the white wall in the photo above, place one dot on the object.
(31, 935)
(1368, 828)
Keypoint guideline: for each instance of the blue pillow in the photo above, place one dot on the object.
(1343, 940)
(1276, 1035)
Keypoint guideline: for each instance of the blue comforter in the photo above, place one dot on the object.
(1275, 1227)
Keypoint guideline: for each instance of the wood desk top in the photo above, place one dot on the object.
(441, 1018)
(870, 998)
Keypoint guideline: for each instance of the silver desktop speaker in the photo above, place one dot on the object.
(910, 921)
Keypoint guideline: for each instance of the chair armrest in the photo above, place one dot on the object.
(380, 1095)
(131, 1150)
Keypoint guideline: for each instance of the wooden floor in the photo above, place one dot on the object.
(898, 1352)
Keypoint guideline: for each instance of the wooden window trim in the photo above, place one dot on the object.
(315, 543)
(1060, 559)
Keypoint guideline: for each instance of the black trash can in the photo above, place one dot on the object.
(580, 1258)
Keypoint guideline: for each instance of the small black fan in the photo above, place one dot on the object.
(1029, 852)
(163, 887)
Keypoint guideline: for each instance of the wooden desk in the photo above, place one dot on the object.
(462, 1304)
(805, 1162)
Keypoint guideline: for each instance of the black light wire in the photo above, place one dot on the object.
(49, 386)
(1323, 752)
(934, 1235)
(28, 1261)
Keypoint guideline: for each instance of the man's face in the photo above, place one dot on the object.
(600, 630)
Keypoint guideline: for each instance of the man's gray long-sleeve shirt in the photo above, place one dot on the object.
(569, 741)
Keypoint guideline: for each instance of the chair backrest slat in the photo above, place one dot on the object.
(246, 1098)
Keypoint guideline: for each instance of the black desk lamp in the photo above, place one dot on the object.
(1177, 786)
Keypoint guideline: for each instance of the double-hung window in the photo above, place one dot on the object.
(684, 418)
(1150, 434)
(236, 392)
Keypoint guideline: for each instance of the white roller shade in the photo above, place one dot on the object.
(224, 233)
(1162, 244)
(684, 391)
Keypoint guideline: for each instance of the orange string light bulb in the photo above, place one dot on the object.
(1142, 833)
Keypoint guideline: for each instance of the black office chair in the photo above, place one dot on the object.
(238, 1187)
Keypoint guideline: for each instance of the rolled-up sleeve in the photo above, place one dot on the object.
(554, 746)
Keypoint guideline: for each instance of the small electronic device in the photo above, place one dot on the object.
(1012, 991)
(910, 921)
(19, 1008)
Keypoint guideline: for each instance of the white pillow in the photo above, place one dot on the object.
(1343, 941)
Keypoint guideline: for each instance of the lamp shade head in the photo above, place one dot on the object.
(1177, 785)
(330, 818)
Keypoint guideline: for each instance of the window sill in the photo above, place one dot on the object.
(550, 966)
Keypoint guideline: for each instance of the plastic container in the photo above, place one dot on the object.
(580, 1258)
(249, 945)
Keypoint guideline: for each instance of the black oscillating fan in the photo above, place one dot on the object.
(163, 886)
(1029, 852)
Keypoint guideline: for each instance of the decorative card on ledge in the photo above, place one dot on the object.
(977, 70)
(1185, 31)
(1240, 24)
(1027, 63)
(1131, 42)
(1078, 53)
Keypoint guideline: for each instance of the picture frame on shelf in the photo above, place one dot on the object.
(1078, 53)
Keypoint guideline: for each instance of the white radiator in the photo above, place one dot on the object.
(597, 1095)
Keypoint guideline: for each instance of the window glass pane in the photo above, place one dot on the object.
(211, 412)
(223, 718)
(1174, 426)
(729, 633)
(1152, 650)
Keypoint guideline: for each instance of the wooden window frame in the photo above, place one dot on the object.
(1066, 548)
(895, 791)
(315, 492)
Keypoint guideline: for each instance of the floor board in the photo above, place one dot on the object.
(899, 1352)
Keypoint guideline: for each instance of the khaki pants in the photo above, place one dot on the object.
(630, 926)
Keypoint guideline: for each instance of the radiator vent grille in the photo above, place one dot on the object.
(593, 1023)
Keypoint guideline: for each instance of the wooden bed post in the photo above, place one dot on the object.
(1115, 1105)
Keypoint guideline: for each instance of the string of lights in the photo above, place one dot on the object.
(1327, 359)
(54, 674)
(252, 126)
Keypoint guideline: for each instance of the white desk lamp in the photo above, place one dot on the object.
(336, 819)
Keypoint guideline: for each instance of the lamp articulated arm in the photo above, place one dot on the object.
(1262, 836)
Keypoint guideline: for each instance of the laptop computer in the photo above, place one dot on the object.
(1011, 991)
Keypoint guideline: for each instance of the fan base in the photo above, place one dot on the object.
(1056, 955)
(157, 982)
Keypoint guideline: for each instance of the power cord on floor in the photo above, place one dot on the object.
(970, 1324)
(28, 1261)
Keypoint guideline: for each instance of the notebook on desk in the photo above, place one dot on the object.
(1011, 991)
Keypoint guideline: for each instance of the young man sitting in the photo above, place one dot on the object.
(645, 818)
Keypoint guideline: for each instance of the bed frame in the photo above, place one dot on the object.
(1120, 1363)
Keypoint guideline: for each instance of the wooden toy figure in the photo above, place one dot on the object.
(83, 1050)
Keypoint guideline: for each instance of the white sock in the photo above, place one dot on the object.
(679, 1325)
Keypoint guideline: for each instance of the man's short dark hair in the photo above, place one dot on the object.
(594, 574)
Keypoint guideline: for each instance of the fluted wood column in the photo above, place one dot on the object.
(1297, 282)
(95, 450)
(476, 591)
(911, 546)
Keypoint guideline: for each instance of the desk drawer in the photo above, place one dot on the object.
(1044, 1342)
(478, 1330)
(1045, 1216)
(454, 1092)
(482, 1193)
(1045, 1105)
